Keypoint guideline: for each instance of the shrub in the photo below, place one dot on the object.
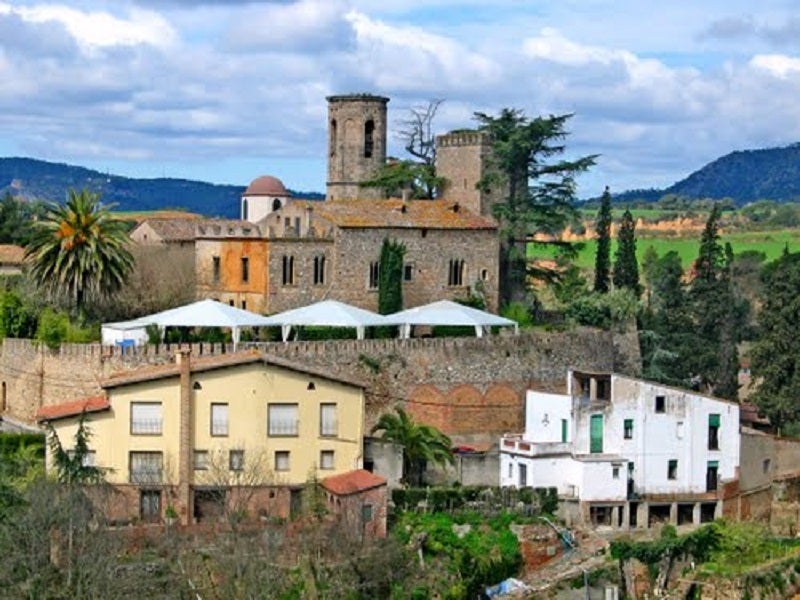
(53, 328)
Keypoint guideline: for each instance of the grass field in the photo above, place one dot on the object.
(771, 243)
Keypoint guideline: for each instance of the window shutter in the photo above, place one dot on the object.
(713, 420)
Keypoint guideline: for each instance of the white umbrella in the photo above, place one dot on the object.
(329, 313)
(446, 312)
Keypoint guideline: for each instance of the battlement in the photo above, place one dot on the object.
(226, 229)
(463, 138)
(364, 97)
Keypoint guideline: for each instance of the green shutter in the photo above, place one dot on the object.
(596, 434)
(563, 430)
(713, 420)
(713, 464)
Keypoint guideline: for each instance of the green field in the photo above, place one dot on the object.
(771, 243)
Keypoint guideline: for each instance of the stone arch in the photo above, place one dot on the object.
(427, 404)
(467, 416)
(507, 408)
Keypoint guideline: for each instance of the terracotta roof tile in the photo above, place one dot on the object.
(73, 408)
(11, 254)
(173, 230)
(397, 213)
(352, 482)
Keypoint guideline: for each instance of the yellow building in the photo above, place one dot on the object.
(239, 433)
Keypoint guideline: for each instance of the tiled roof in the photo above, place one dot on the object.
(11, 254)
(151, 373)
(73, 408)
(352, 482)
(172, 230)
(398, 213)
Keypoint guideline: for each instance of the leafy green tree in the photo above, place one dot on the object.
(775, 355)
(539, 192)
(17, 319)
(626, 266)
(602, 258)
(421, 443)
(17, 218)
(79, 251)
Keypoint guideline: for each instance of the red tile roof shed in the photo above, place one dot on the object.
(352, 482)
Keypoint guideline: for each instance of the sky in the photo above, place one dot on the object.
(225, 90)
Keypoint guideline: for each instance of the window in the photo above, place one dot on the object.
(150, 505)
(596, 434)
(326, 459)
(245, 269)
(408, 272)
(615, 471)
(89, 458)
(713, 432)
(369, 138)
(200, 460)
(366, 513)
(282, 419)
(244, 304)
(327, 420)
(236, 460)
(244, 209)
(276, 204)
(281, 460)
(219, 419)
(765, 465)
(145, 467)
(215, 269)
(510, 470)
(319, 270)
(145, 418)
(661, 404)
(288, 270)
(679, 430)
(564, 431)
(672, 469)
(712, 475)
(455, 272)
(627, 429)
(374, 274)
(523, 475)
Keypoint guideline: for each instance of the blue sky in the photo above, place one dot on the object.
(225, 91)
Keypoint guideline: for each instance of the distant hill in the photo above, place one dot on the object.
(42, 180)
(743, 176)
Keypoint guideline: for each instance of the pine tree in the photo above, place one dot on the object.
(626, 267)
(602, 259)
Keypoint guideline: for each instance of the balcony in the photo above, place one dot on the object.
(522, 447)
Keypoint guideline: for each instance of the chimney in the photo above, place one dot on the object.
(185, 437)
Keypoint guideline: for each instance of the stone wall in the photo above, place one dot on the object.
(473, 388)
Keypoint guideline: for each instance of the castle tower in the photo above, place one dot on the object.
(463, 158)
(356, 144)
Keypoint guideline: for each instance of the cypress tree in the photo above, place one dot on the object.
(626, 267)
(390, 277)
(602, 258)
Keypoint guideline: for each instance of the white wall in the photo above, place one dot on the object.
(259, 207)
(543, 416)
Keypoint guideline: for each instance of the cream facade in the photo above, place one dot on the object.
(186, 434)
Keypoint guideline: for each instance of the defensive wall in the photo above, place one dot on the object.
(471, 388)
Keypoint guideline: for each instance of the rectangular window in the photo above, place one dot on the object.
(150, 505)
(366, 513)
(523, 475)
(245, 269)
(374, 275)
(713, 432)
(219, 419)
(145, 467)
(615, 471)
(596, 434)
(627, 429)
(146, 418)
(326, 459)
(327, 420)
(200, 460)
(408, 272)
(281, 460)
(236, 460)
(215, 269)
(564, 431)
(661, 404)
(765, 465)
(712, 475)
(672, 469)
(89, 458)
(282, 419)
(455, 272)
(319, 270)
(288, 270)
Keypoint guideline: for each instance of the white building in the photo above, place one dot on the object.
(627, 453)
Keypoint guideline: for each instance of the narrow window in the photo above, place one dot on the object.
(332, 141)
(288, 270)
(146, 418)
(523, 475)
(244, 209)
(366, 513)
(219, 419)
(615, 471)
(765, 465)
(282, 420)
(245, 269)
(200, 460)
(661, 404)
(236, 460)
(712, 475)
(319, 270)
(374, 273)
(596, 434)
(672, 469)
(327, 420)
(215, 263)
(455, 272)
(369, 138)
(276, 204)
(627, 429)
(244, 304)
(326, 459)
(281, 460)
(408, 272)
(564, 431)
(713, 432)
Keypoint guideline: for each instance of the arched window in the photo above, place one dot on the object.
(319, 270)
(369, 138)
(244, 209)
(276, 204)
(455, 272)
(332, 141)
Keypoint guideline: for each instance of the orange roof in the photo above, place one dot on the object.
(172, 229)
(266, 185)
(71, 409)
(11, 254)
(398, 213)
(352, 482)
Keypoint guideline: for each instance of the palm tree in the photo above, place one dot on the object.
(79, 250)
(421, 443)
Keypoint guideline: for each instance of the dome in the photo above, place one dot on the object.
(266, 186)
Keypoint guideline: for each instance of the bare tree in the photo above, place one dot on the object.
(417, 131)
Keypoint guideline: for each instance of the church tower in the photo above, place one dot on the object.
(356, 145)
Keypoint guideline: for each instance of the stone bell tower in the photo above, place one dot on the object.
(356, 145)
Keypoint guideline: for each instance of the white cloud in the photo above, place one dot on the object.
(777, 64)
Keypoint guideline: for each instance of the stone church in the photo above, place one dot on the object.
(286, 252)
